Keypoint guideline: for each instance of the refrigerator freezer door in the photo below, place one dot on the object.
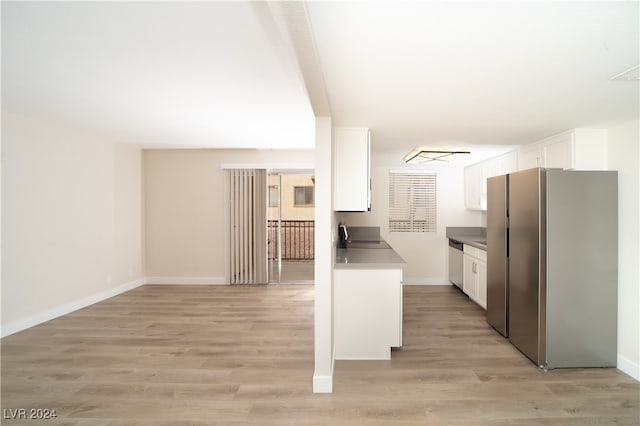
(582, 269)
(526, 263)
(497, 262)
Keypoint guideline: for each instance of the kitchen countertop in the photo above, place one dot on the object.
(472, 241)
(368, 258)
(473, 236)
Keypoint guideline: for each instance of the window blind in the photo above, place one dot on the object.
(248, 226)
(412, 202)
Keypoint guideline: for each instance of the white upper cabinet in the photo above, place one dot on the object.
(557, 152)
(473, 187)
(590, 149)
(352, 168)
(577, 149)
(530, 157)
(475, 178)
(505, 163)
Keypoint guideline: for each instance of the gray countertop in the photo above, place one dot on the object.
(368, 258)
(472, 241)
(474, 236)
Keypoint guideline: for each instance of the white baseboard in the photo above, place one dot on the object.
(364, 358)
(629, 367)
(324, 383)
(426, 281)
(23, 324)
(187, 280)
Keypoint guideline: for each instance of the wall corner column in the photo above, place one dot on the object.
(324, 257)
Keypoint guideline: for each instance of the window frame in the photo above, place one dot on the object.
(271, 201)
(309, 190)
(413, 201)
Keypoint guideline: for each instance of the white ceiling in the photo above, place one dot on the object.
(184, 74)
(220, 74)
(451, 73)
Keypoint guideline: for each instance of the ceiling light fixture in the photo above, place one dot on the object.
(632, 74)
(426, 155)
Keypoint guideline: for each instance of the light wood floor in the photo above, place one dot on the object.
(196, 355)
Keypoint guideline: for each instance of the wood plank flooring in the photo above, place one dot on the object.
(221, 355)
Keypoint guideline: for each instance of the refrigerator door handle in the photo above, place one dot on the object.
(507, 245)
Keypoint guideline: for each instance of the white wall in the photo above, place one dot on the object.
(425, 253)
(185, 209)
(71, 220)
(324, 259)
(624, 156)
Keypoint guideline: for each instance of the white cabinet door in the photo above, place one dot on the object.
(469, 281)
(481, 275)
(473, 187)
(577, 149)
(352, 169)
(367, 312)
(474, 275)
(507, 163)
(558, 152)
(491, 167)
(476, 175)
(530, 157)
(590, 149)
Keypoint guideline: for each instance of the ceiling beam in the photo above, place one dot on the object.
(292, 21)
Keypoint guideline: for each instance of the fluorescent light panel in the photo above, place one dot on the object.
(632, 74)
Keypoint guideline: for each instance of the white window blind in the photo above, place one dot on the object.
(412, 202)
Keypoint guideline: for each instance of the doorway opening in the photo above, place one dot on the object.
(290, 226)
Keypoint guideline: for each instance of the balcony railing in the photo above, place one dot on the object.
(297, 239)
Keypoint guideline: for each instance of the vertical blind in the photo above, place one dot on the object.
(248, 226)
(412, 202)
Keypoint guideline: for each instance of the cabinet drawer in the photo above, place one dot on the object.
(475, 252)
(481, 254)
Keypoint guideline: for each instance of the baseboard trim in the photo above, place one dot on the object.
(629, 367)
(364, 358)
(324, 383)
(426, 281)
(187, 280)
(67, 308)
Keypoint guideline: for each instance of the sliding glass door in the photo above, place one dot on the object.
(290, 227)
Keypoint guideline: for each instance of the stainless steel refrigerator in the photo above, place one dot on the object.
(552, 242)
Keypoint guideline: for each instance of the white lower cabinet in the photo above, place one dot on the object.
(474, 275)
(469, 282)
(367, 313)
(482, 284)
